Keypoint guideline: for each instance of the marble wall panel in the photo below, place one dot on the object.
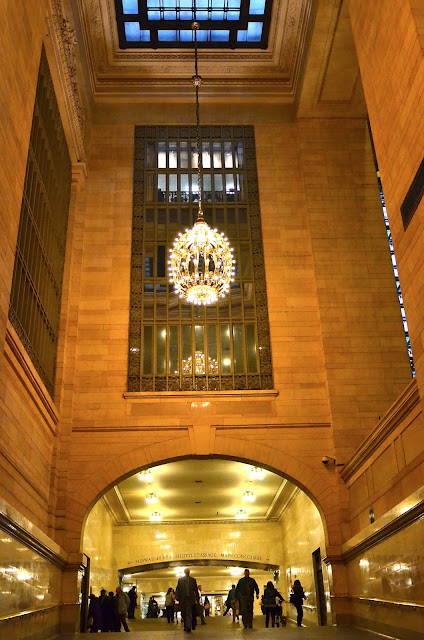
(99, 547)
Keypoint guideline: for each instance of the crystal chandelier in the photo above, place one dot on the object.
(199, 365)
(201, 263)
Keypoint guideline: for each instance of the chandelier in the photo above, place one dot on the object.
(198, 363)
(201, 264)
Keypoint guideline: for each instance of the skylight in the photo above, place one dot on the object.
(227, 24)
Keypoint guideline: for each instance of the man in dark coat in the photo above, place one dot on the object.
(132, 594)
(187, 595)
(245, 590)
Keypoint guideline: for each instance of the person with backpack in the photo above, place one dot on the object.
(269, 602)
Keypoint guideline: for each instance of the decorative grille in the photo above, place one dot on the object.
(40, 253)
(174, 346)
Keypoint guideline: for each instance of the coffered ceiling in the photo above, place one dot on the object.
(201, 490)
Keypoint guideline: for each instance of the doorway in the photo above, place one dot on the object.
(319, 587)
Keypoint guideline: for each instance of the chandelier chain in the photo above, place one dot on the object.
(198, 145)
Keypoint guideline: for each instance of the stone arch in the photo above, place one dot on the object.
(323, 488)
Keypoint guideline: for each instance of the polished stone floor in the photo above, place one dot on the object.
(225, 629)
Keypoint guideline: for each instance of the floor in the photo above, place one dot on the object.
(225, 629)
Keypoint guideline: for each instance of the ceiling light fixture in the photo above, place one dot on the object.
(256, 473)
(156, 516)
(201, 263)
(151, 498)
(248, 496)
(145, 476)
(241, 514)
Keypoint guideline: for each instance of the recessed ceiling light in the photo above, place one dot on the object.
(197, 502)
(198, 481)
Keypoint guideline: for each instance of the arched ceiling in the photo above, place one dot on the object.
(199, 490)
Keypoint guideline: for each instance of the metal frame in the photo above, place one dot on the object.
(40, 252)
(156, 222)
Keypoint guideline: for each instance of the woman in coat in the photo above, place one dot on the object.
(297, 598)
(269, 603)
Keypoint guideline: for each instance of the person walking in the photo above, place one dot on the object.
(122, 604)
(233, 603)
(269, 601)
(245, 591)
(187, 595)
(170, 604)
(109, 613)
(297, 598)
(207, 606)
(132, 594)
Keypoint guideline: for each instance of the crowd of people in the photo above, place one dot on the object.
(108, 612)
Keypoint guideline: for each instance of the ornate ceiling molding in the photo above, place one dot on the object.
(120, 72)
(65, 44)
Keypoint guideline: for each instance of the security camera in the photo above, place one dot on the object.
(325, 459)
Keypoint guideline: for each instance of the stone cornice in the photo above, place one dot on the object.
(397, 412)
(64, 42)
(196, 395)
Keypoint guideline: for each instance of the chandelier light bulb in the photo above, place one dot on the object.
(248, 496)
(241, 514)
(256, 473)
(145, 476)
(156, 516)
(151, 498)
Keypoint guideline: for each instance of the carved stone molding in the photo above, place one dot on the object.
(65, 42)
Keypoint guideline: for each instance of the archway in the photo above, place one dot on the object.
(196, 540)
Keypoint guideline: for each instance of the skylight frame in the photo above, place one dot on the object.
(234, 27)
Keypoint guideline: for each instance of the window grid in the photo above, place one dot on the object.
(158, 319)
(37, 279)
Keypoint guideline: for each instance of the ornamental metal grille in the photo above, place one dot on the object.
(40, 253)
(175, 346)
(157, 24)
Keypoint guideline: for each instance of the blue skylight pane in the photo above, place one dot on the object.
(153, 15)
(144, 35)
(254, 31)
(202, 35)
(170, 15)
(217, 15)
(234, 4)
(220, 35)
(233, 15)
(186, 35)
(257, 7)
(186, 4)
(130, 6)
(202, 4)
(201, 15)
(241, 35)
(167, 35)
(171, 4)
(132, 31)
(186, 15)
(217, 4)
(153, 4)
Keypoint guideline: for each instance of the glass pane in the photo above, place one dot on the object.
(194, 187)
(206, 155)
(239, 154)
(173, 192)
(149, 228)
(185, 190)
(173, 351)
(242, 220)
(161, 261)
(252, 362)
(238, 350)
(228, 155)
(219, 195)
(245, 261)
(254, 31)
(161, 349)
(147, 349)
(149, 187)
(236, 300)
(161, 187)
(161, 302)
(194, 155)
(173, 156)
(225, 348)
(212, 350)
(217, 159)
(199, 351)
(199, 338)
(257, 7)
(248, 305)
(148, 298)
(229, 187)
(241, 187)
(149, 253)
(184, 155)
(151, 155)
(130, 6)
(187, 365)
(162, 155)
(173, 304)
(207, 187)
